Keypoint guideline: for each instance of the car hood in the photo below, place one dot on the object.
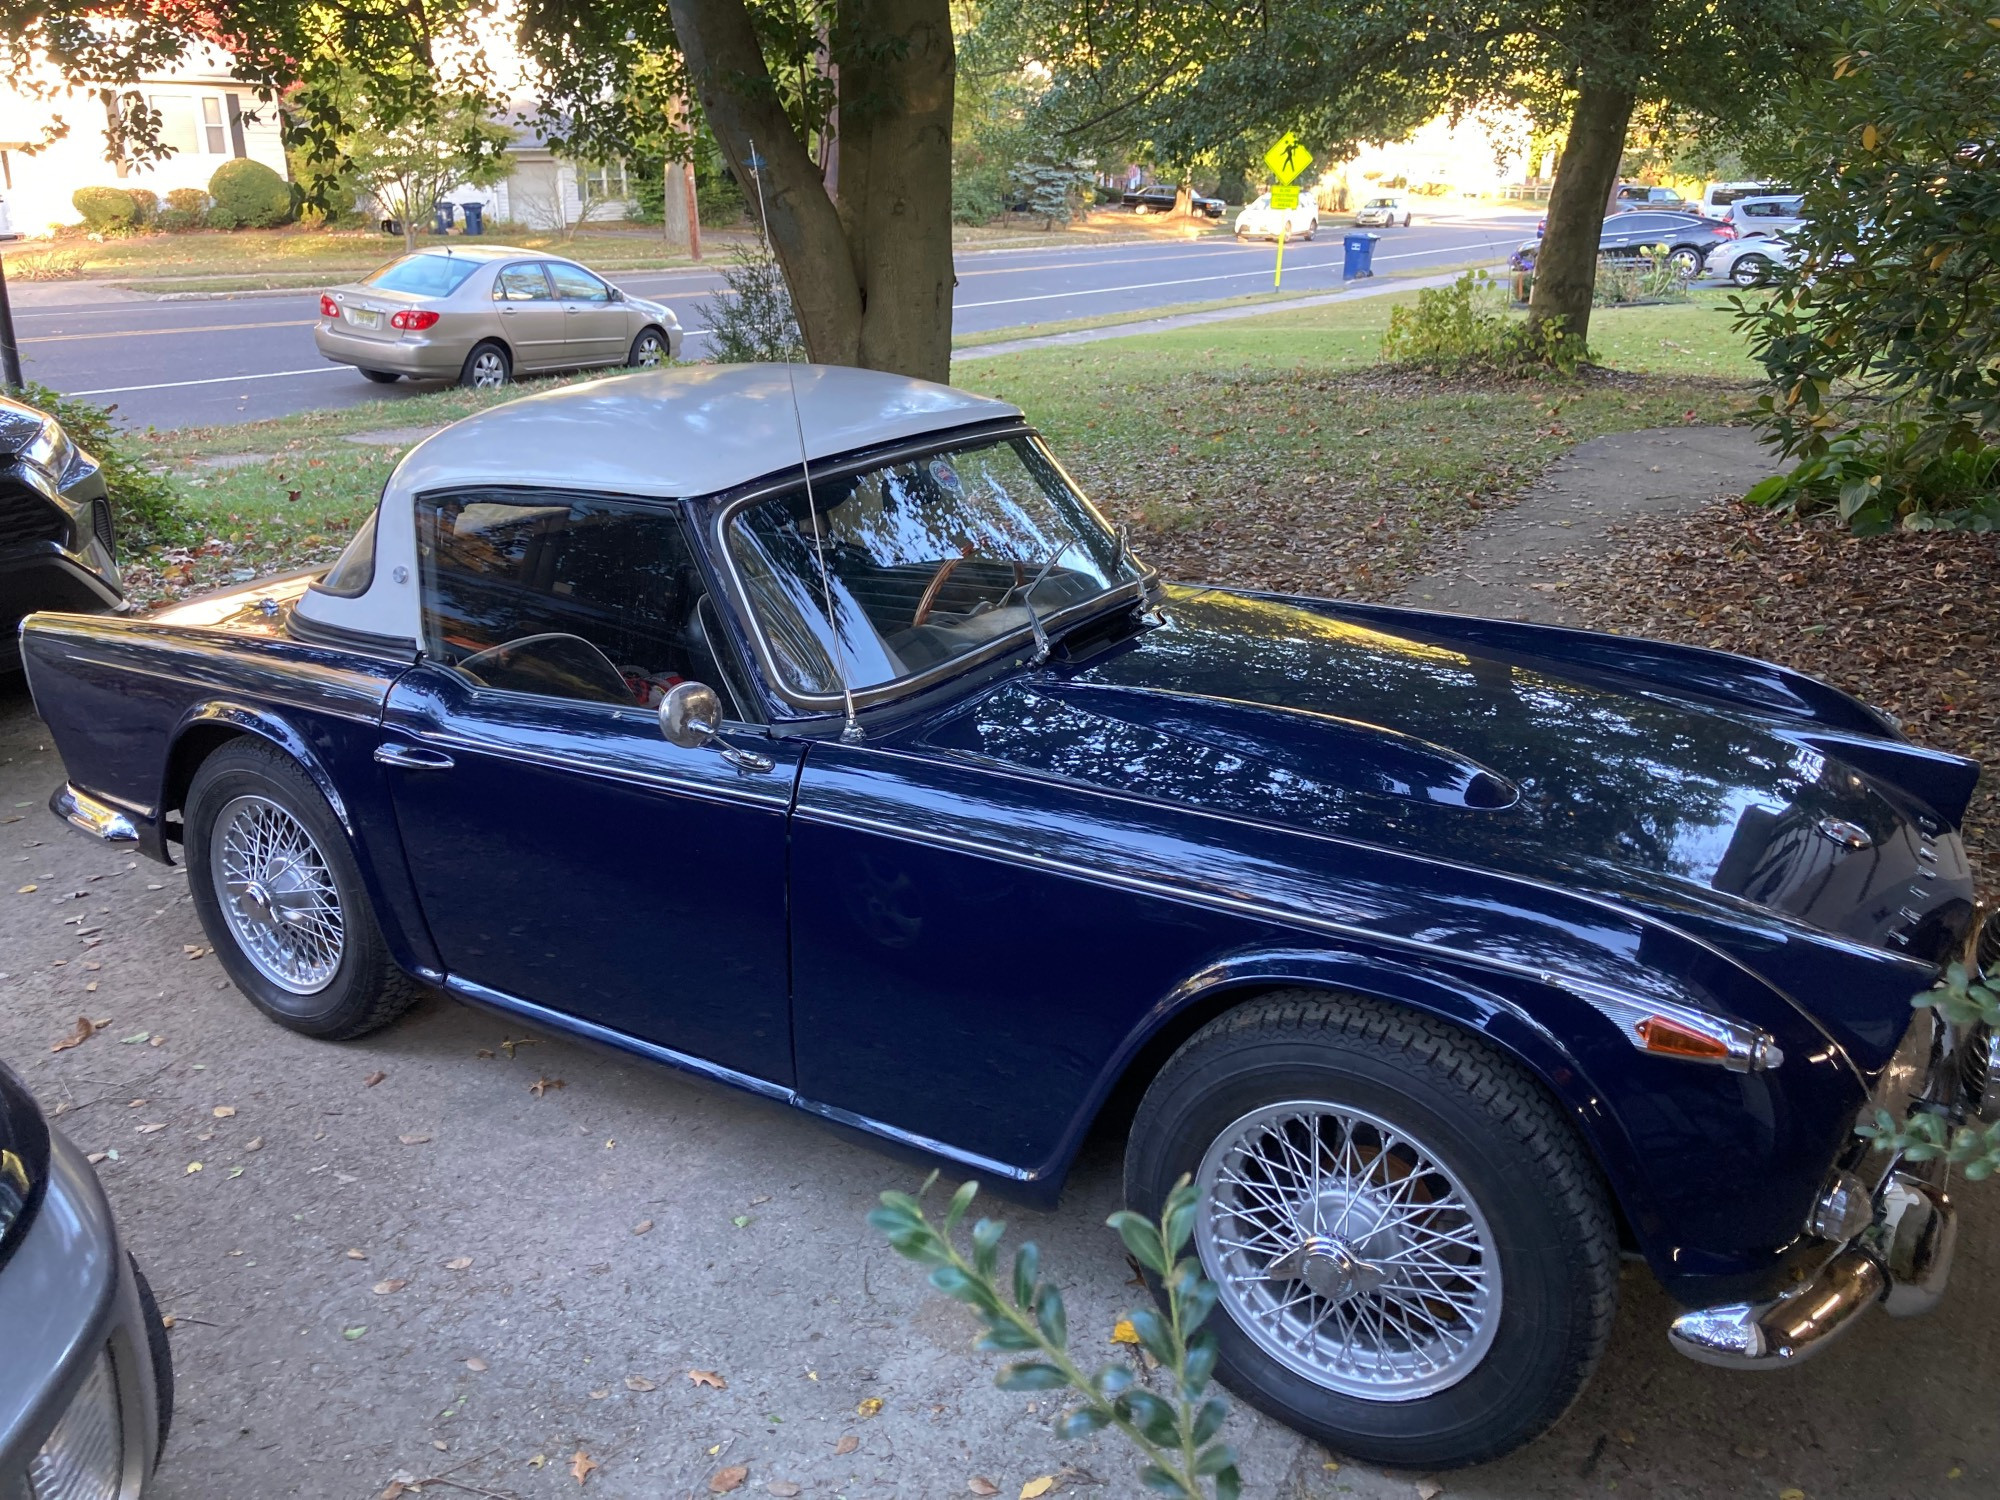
(1262, 709)
(24, 1159)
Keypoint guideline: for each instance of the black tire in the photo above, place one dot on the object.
(382, 377)
(365, 990)
(1497, 1132)
(160, 1351)
(481, 363)
(1750, 270)
(653, 338)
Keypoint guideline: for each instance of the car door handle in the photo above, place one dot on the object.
(412, 757)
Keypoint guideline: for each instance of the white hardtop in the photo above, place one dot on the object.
(669, 434)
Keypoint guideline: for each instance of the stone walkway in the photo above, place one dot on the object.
(1512, 564)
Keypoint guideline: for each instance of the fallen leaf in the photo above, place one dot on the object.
(150, 1128)
(722, 1481)
(508, 1044)
(708, 1378)
(538, 1460)
(373, 1078)
(600, 1393)
(234, 1173)
(459, 1263)
(85, 1030)
(639, 1383)
(91, 986)
(414, 1140)
(135, 1038)
(581, 1465)
(27, 890)
(1798, 1494)
(355, 1332)
(192, 1168)
(476, 1365)
(542, 1085)
(1429, 1489)
(357, 1255)
(847, 1444)
(156, 1039)
(741, 1221)
(760, 1198)
(642, 1226)
(869, 1408)
(1038, 1486)
(96, 1156)
(783, 1487)
(397, 1489)
(223, 1111)
(979, 1484)
(1124, 1333)
(255, 1143)
(384, 1288)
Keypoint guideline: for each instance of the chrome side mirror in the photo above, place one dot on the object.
(691, 717)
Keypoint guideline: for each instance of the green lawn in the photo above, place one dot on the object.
(1274, 450)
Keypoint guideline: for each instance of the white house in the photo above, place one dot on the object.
(545, 191)
(206, 118)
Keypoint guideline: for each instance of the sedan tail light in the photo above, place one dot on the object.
(328, 308)
(413, 320)
(1725, 231)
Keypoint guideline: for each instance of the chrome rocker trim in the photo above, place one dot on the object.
(1901, 1260)
(81, 810)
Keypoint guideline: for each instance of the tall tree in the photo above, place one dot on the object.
(1190, 75)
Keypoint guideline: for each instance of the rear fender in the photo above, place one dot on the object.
(207, 725)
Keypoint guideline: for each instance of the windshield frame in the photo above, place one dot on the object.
(1133, 590)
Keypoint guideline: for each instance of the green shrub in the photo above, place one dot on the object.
(187, 208)
(1465, 327)
(146, 202)
(248, 195)
(145, 507)
(106, 210)
(978, 194)
(719, 200)
(1879, 476)
(751, 319)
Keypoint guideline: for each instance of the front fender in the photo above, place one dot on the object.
(1692, 1155)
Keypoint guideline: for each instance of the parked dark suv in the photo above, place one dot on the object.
(57, 546)
(86, 1379)
(1159, 198)
(1627, 236)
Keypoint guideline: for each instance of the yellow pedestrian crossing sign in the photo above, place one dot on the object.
(1288, 158)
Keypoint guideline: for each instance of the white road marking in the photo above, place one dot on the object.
(173, 385)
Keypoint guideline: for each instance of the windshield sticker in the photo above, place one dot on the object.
(946, 478)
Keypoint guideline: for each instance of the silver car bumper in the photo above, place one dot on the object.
(409, 355)
(75, 1339)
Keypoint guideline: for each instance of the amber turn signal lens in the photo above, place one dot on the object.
(1671, 1039)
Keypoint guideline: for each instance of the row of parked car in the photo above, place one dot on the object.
(1737, 236)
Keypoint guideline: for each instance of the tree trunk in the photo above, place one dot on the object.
(1566, 262)
(871, 281)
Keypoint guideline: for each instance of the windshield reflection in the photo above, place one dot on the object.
(925, 561)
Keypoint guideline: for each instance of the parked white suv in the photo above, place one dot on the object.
(1717, 196)
(1260, 221)
(1758, 218)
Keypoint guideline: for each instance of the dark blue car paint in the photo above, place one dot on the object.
(999, 904)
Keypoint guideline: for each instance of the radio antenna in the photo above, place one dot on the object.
(850, 732)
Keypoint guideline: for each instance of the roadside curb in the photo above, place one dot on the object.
(1378, 287)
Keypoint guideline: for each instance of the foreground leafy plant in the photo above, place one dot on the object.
(1175, 1435)
(1462, 328)
(1963, 999)
(145, 506)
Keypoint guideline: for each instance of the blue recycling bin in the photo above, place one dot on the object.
(445, 214)
(1359, 259)
(475, 217)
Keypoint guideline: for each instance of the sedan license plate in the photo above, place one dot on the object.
(364, 317)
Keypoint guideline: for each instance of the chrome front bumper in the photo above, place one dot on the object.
(1902, 1261)
(81, 810)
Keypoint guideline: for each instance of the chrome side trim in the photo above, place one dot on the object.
(713, 791)
(1759, 1050)
(81, 810)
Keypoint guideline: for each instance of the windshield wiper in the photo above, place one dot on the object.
(1027, 593)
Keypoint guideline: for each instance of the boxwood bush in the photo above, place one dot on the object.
(248, 195)
(106, 210)
(187, 208)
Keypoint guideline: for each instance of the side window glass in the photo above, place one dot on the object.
(565, 596)
(574, 284)
(522, 283)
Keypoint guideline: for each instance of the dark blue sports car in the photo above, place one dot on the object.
(830, 745)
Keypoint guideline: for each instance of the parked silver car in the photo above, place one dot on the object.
(1775, 215)
(1747, 262)
(86, 1378)
(482, 315)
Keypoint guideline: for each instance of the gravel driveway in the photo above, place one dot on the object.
(428, 1252)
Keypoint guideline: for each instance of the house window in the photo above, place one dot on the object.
(191, 125)
(604, 180)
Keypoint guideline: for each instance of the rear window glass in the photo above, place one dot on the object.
(424, 275)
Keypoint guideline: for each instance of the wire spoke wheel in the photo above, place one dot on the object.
(1347, 1251)
(278, 894)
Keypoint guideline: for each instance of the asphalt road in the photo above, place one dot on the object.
(184, 363)
(305, 1371)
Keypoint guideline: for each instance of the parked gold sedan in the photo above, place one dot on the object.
(485, 314)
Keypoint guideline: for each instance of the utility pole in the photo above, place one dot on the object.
(10, 351)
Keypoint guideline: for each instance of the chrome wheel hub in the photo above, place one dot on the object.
(277, 895)
(1347, 1251)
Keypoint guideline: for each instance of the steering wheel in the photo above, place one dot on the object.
(936, 586)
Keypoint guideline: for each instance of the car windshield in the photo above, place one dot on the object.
(427, 275)
(927, 561)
